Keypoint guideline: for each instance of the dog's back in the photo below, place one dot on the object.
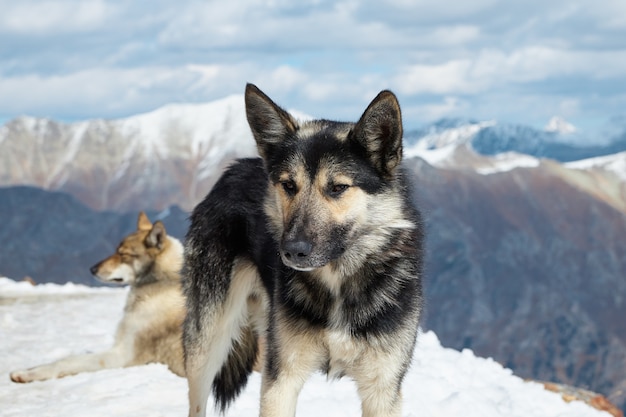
(227, 226)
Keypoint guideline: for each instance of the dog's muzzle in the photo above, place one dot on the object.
(296, 254)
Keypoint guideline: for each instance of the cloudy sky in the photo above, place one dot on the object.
(519, 61)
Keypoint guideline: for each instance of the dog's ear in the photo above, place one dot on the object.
(269, 123)
(379, 131)
(157, 235)
(143, 223)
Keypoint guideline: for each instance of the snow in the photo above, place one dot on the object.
(42, 323)
(197, 124)
(456, 157)
(439, 157)
(508, 161)
(440, 149)
(615, 163)
(559, 125)
(200, 126)
(445, 139)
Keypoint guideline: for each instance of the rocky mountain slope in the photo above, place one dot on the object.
(171, 155)
(528, 268)
(52, 237)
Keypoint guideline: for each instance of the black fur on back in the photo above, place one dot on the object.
(221, 229)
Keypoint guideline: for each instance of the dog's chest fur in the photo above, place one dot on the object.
(343, 352)
(366, 304)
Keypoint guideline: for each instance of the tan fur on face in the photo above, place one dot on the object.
(286, 203)
(350, 205)
(313, 197)
(133, 253)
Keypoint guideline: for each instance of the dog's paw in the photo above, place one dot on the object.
(23, 376)
(19, 376)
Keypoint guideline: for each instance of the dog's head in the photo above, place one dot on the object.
(327, 179)
(134, 255)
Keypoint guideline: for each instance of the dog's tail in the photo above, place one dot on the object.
(219, 341)
(219, 282)
(233, 376)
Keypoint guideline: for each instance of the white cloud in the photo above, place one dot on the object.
(448, 107)
(569, 107)
(285, 78)
(258, 28)
(54, 16)
(494, 69)
(611, 14)
(454, 35)
(451, 76)
(425, 12)
(110, 92)
(102, 58)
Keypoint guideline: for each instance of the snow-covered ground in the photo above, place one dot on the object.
(43, 323)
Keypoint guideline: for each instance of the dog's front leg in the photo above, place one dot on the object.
(72, 365)
(380, 400)
(291, 359)
(378, 376)
(279, 396)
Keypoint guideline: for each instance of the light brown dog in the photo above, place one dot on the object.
(149, 261)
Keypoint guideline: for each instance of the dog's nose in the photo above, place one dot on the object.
(93, 269)
(297, 250)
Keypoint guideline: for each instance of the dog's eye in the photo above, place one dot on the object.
(338, 189)
(289, 187)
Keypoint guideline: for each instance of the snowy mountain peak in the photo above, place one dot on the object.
(198, 121)
(559, 125)
(438, 137)
(616, 164)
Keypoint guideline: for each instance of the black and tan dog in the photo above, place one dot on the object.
(149, 261)
(315, 246)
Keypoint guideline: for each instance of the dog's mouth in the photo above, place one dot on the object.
(300, 268)
(115, 280)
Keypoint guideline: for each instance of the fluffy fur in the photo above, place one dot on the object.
(315, 248)
(149, 261)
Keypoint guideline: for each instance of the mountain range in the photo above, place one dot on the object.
(174, 154)
(559, 140)
(171, 155)
(526, 248)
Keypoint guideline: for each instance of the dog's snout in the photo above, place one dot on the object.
(94, 269)
(297, 250)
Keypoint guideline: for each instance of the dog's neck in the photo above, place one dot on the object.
(166, 268)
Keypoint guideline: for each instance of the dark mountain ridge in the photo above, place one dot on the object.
(52, 237)
(526, 268)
